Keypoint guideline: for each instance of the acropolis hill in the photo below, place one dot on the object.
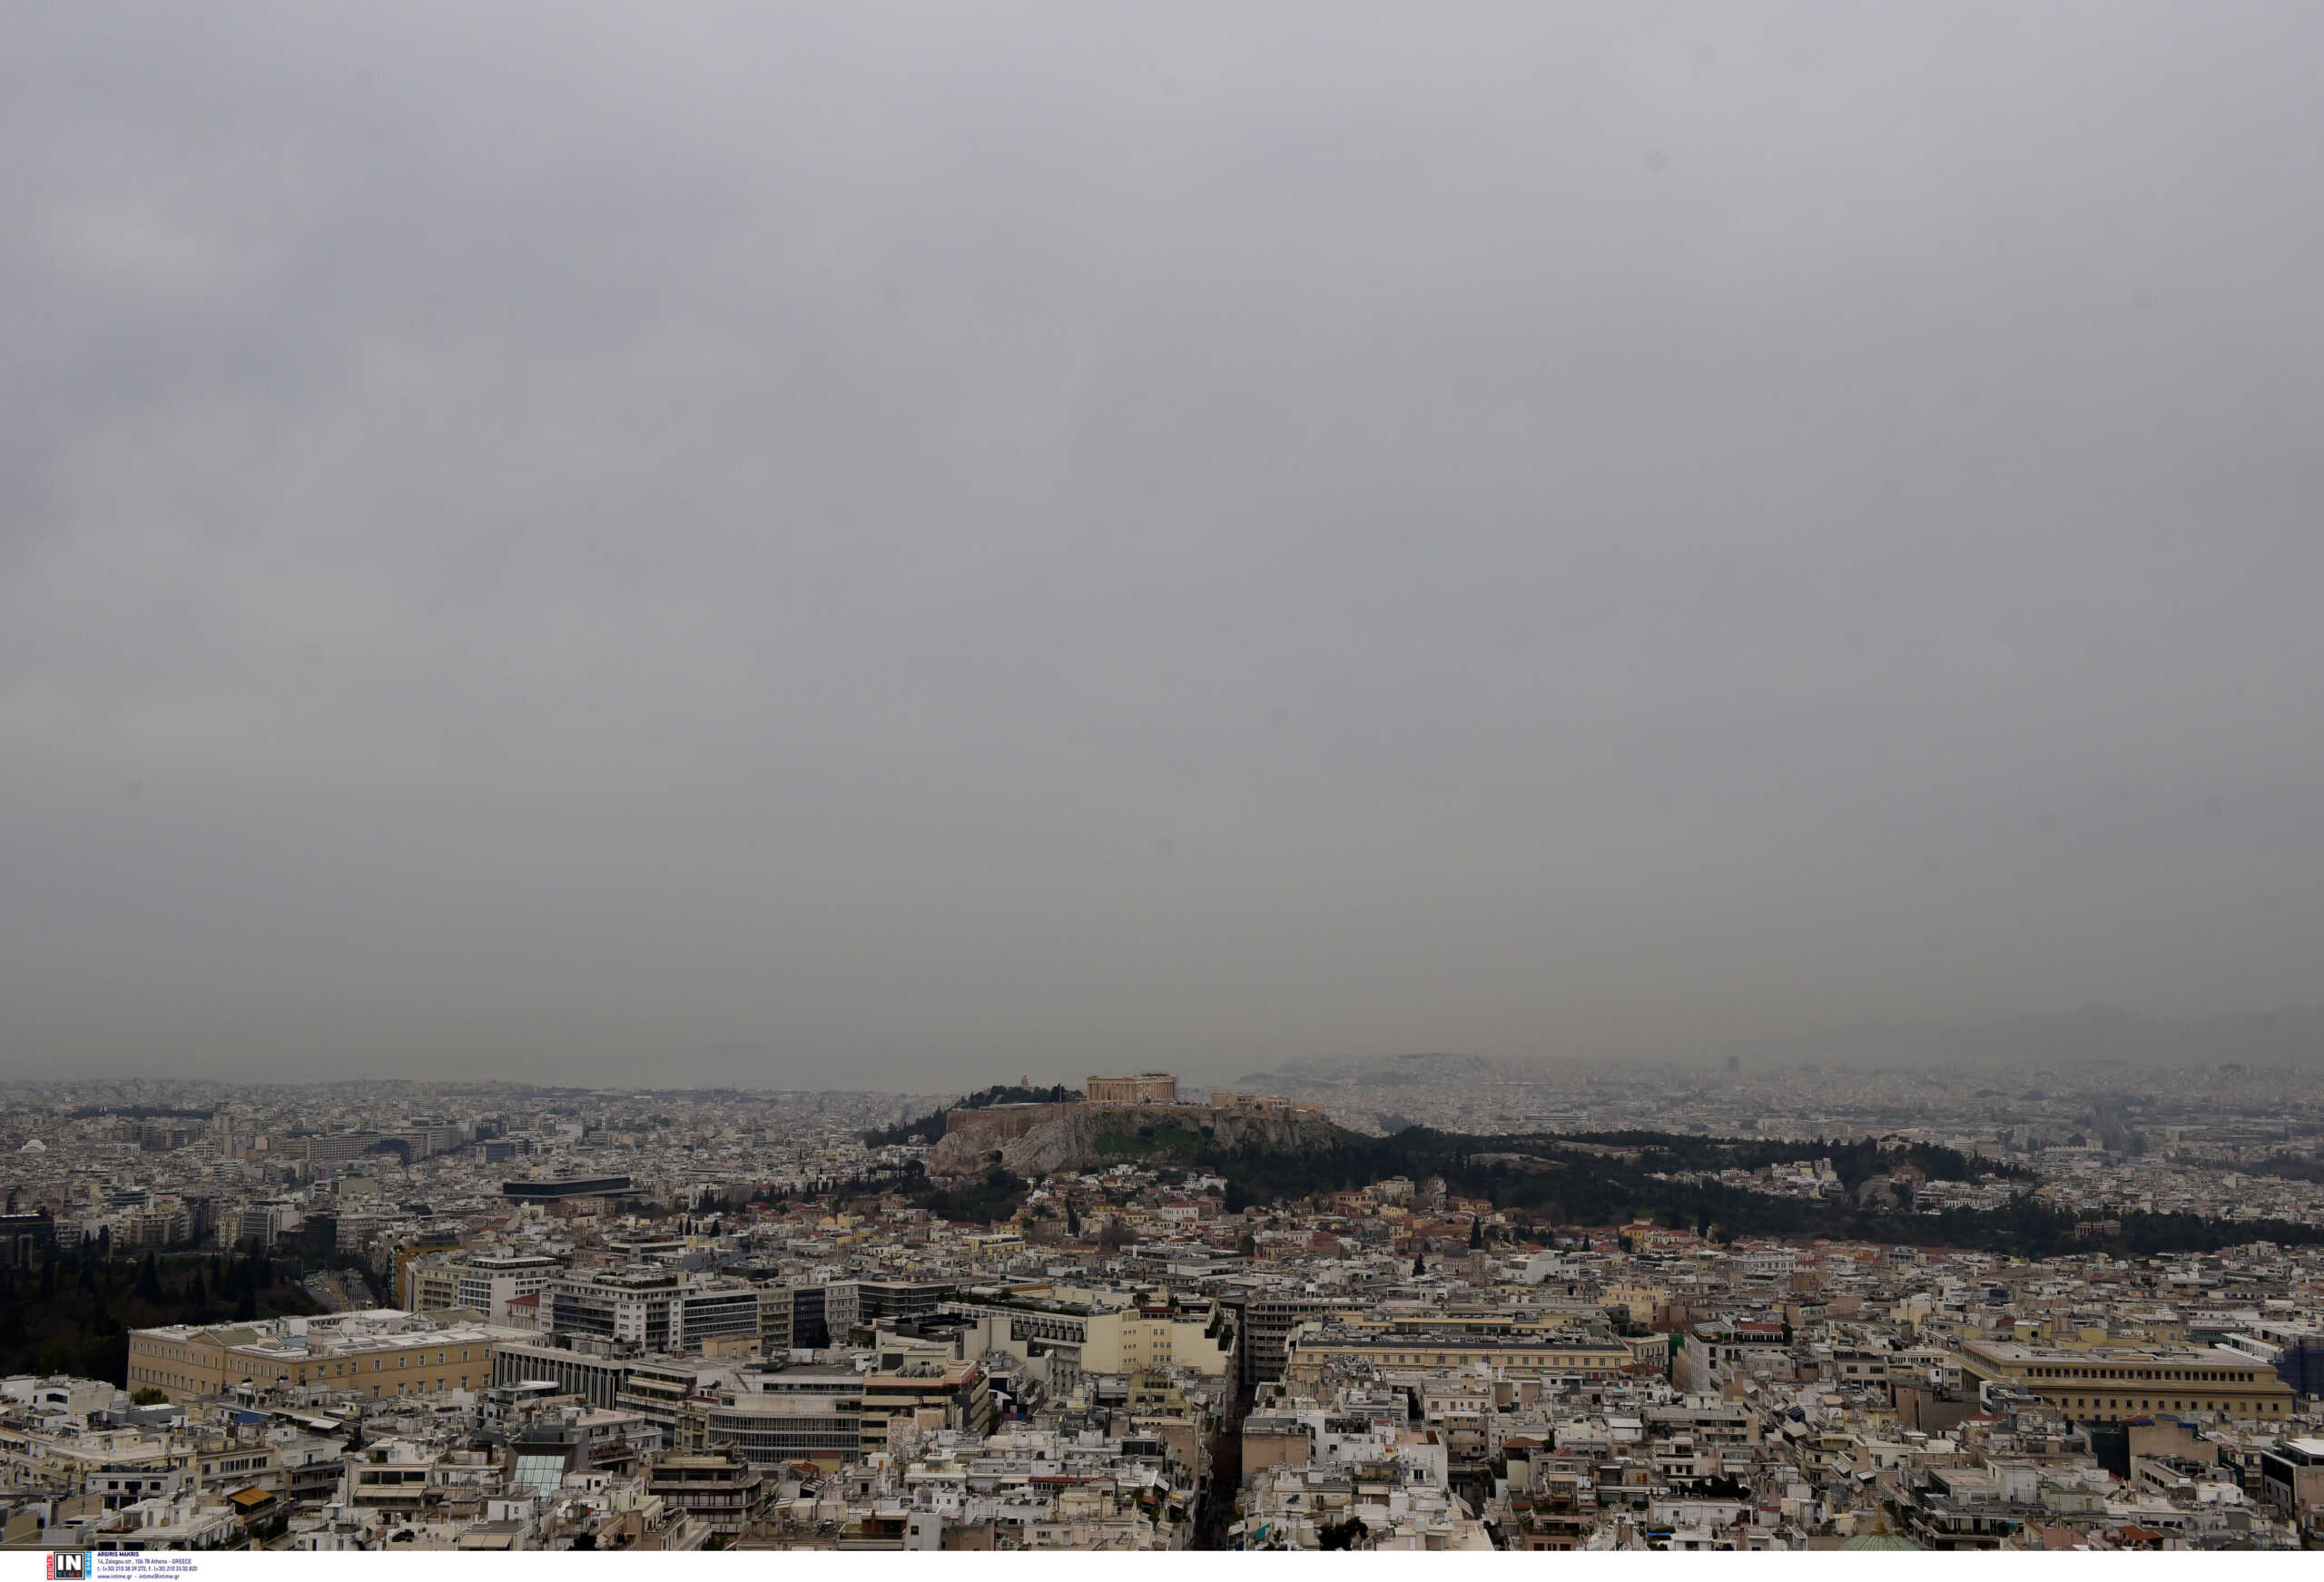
(1029, 1140)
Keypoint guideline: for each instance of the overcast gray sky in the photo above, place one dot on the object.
(898, 544)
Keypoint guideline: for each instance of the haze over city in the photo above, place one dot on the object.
(905, 545)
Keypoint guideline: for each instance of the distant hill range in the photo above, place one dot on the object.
(2291, 1036)
(2099, 1035)
(1389, 1071)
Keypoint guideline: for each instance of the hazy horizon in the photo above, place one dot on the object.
(924, 544)
(2288, 1039)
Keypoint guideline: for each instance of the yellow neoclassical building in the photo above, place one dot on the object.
(2110, 1383)
(1313, 1353)
(377, 1354)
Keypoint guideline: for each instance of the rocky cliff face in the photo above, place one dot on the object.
(1069, 1140)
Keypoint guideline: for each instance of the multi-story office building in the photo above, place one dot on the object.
(794, 1317)
(867, 1304)
(716, 1488)
(775, 1307)
(927, 1387)
(432, 1284)
(2291, 1478)
(262, 1223)
(776, 1414)
(425, 1136)
(487, 1283)
(841, 1305)
(1099, 1331)
(565, 1188)
(26, 1237)
(1265, 1321)
(879, 1301)
(414, 1246)
(335, 1149)
(656, 1388)
(484, 1282)
(650, 1308)
(159, 1224)
(596, 1378)
(2296, 1351)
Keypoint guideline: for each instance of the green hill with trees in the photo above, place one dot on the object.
(72, 1312)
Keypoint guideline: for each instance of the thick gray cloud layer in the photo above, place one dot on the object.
(910, 543)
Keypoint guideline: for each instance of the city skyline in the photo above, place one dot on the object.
(1430, 1305)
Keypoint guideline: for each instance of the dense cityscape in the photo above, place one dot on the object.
(928, 779)
(1433, 1303)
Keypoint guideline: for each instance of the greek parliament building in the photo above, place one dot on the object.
(380, 1354)
(2114, 1383)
